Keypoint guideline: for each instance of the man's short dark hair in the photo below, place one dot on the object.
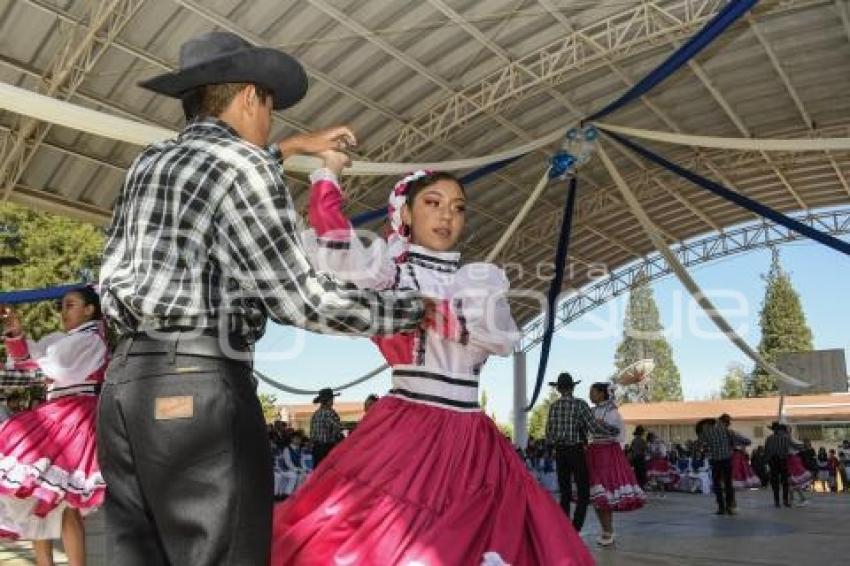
(213, 100)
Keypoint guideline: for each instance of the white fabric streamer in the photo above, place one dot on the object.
(526, 208)
(686, 279)
(741, 144)
(41, 107)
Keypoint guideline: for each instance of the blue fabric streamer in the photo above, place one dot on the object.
(726, 17)
(555, 288)
(737, 198)
(466, 180)
(36, 295)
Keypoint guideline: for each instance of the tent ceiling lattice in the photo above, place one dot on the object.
(447, 79)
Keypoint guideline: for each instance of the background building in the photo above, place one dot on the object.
(298, 416)
(823, 419)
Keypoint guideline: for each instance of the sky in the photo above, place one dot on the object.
(586, 347)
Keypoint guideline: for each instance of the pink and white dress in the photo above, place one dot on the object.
(48, 459)
(798, 475)
(613, 485)
(659, 467)
(426, 478)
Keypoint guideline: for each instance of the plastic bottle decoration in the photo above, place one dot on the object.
(575, 151)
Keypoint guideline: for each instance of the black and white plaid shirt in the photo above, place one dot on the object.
(778, 445)
(571, 421)
(718, 441)
(205, 236)
(325, 426)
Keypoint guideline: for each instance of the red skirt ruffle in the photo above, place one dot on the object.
(416, 484)
(798, 475)
(48, 457)
(743, 475)
(613, 485)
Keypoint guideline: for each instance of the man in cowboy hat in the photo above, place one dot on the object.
(567, 428)
(777, 448)
(202, 250)
(325, 426)
(718, 440)
(639, 449)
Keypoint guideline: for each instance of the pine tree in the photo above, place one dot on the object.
(783, 327)
(643, 337)
(733, 382)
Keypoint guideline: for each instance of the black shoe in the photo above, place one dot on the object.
(787, 504)
(720, 511)
(777, 505)
(731, 511)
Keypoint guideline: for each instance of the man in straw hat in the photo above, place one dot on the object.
(202, 250)
(325, 426)
(567, 428)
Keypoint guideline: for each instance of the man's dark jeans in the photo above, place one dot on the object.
(721, 479)
(779, 477)
(183, 448)
(571, 464)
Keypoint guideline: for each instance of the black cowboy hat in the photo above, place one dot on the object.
(325, 394)
(221, 57)
(776, 425)
(565, 380)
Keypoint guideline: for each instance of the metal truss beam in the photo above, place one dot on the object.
(621, 36)
(795, 96)
(50, 202)
(743, 239)
(742, 128)
(65, 73)
(139, 53)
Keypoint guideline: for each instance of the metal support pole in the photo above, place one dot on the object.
(520, 401)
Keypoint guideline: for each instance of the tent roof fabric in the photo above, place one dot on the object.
(444, 79)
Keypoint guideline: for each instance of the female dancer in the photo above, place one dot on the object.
(49, 476)
(613, 486)
(426, 478)
(799, 477)
(659, 470)
(743, 475)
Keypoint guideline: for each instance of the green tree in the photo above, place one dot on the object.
(783, 327)
(643, 337)
(483, 401)
(54, 250)
(733, 382)
(268, 402)
(539, 416)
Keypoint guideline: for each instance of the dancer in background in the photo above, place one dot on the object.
(427, 477)
(613, 486)
(568, 428)
(717, 440)
(49, 473)
(659, 470)
(799, 476)
(743, 474)
(639, 454)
